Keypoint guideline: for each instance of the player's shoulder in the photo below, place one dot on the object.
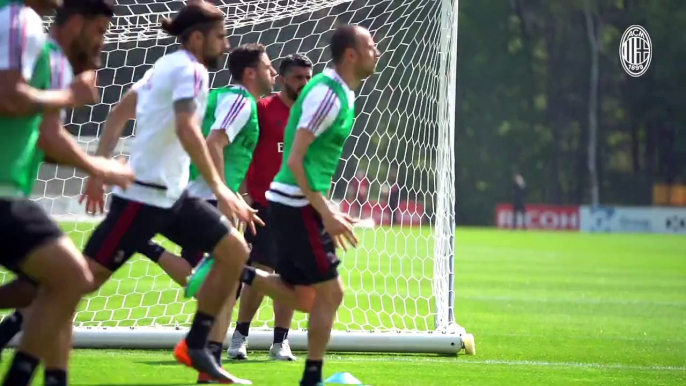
(17, 15)
(229, 99)
(17, 10)
(177, 61)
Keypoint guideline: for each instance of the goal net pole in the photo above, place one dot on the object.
(400, 282)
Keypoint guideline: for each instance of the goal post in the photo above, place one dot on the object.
(397, 173)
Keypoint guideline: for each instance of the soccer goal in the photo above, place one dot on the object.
(397, 173)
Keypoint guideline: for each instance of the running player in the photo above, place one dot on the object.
(22, 40)
(38, 248)
(307, 228)
(170, 106)
(294, 73)
(232, 132)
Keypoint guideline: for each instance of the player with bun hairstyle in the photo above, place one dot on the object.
(171, 103)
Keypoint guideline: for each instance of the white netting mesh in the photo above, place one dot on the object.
(402, 144)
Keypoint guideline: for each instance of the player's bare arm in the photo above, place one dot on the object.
(337, 224)
(115, 123)
(188, 131)
(125, 110)
(60, 146)
(18, 98)
(216, 142)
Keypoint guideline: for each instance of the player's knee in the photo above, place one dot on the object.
(331, 292)
(74, 277)
(152, 251)
(232, 249)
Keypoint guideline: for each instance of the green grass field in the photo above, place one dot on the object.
(546, 309)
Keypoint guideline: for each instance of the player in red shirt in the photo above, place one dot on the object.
(294, 73)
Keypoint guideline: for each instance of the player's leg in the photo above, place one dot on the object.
(199, 226)
(251, 298)
(329, 297)
(18, 294)
(177, 268)
(64, 278)
(42, 251)
(264, 253)
(263, 256)
(283, 317)
(307, 257)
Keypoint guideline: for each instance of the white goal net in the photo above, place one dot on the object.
(397, 173)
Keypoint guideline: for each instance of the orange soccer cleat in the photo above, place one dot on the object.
(204, 363)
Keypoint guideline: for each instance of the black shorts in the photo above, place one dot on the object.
(191, 223)
(24, 226)
(305, 251)
(262, 245)
(194, 255)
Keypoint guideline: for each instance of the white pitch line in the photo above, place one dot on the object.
(578, 365)
(502, 362)
(623, 302)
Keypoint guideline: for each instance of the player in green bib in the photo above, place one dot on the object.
(37, 74)
(307, 228)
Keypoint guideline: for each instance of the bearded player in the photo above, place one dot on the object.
(307, 228)
(38, 70)
(169, 109)
(294, 73)
(22, 39)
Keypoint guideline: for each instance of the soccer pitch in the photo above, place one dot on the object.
(545, 308)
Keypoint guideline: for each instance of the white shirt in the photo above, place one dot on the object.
(61, 72)
(157, 156)
(21, 39)
(232, 114)
(319, 110)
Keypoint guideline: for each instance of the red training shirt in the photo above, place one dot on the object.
(272, 114)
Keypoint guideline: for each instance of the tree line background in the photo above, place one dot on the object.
(524, 86)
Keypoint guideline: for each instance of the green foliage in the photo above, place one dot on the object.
(523, 91)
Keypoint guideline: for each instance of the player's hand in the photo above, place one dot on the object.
(233, 205)
(113, 172)
(340, 227)
(83, 89)
(94, 196)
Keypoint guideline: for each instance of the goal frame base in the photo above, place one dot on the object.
(446, 341)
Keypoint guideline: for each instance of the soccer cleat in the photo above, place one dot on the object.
(318, 384)
(281, 352)
(205, 379)
(203, 362)
(238, 349)
(197, 278)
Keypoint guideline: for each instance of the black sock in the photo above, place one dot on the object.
(243, 328)
(10, 327)
(55, 377)
(216, 350)
(22, 370)
(200, 330)
(152, 251)
(248, 275)
(313, 373)
(280, 334)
